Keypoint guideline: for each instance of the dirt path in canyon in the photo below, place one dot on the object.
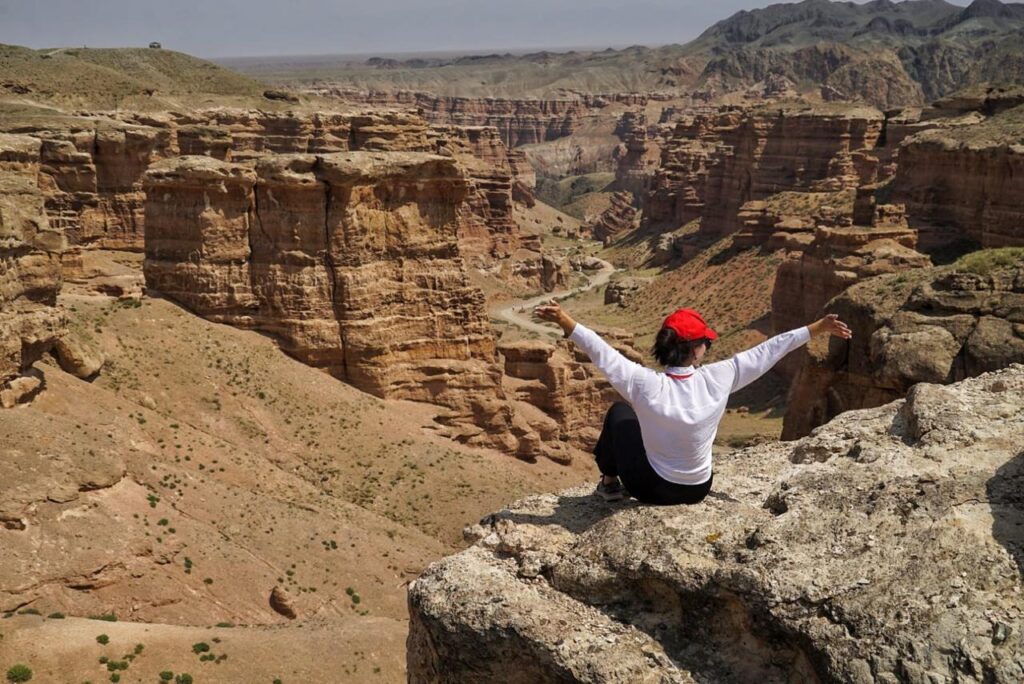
(519, 312)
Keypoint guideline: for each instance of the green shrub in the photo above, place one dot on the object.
(56, 616)
(166, 676)
(19, 673)
(29, 611)
(107, 617)
(201, 647)
(985, 261)
(103, 639)
(183, 678)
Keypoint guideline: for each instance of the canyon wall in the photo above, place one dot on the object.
(92, 168)
(30, 276)
(713, 164)
(519, 122)
(352, 261)
(939, 325)
(965, 182)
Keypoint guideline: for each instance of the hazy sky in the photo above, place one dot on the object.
(218, 28)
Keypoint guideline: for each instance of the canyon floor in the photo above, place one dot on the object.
(211, 445)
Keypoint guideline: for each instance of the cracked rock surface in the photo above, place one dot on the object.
(887, 546)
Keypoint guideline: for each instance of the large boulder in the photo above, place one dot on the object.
(939, 324)
(887, 547)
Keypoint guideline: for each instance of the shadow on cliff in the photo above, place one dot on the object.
(575, 514)
(1006, 497)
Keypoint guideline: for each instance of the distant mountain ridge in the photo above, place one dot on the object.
(884, 53)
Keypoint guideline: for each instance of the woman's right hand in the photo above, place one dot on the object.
(551, 311)
(830, 325)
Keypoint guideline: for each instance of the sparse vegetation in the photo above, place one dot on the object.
(103, 639)
(986, 261)
(19, 673)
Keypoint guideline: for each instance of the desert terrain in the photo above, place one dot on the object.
(275, 408)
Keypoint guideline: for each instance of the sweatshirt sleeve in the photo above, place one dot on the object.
(747, 366)
(622, 373)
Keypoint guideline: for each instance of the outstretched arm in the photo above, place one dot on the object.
(620, 371)
(747, 366)
(556, 314)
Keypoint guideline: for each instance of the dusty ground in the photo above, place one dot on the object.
(216, 468)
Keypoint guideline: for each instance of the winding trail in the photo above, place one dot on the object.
(519, 312)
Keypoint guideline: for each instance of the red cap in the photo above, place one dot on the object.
(689, 325)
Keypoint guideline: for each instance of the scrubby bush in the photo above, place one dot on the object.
(19, 673)
(103, 639)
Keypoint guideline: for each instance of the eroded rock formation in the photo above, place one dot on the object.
(885, 548)
(965, 182)
(561, 394)
(619, 218)
(351, 260)
(934, 325)
(30, 276)
(519, 122)
(714, 164)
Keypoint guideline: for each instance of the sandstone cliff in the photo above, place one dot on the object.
(519, 122)
(30, 275)
(92, 168)
(886, 548)
(618, 219)
(965, 181)
(713, 164)
(921, 325)
(352, 261)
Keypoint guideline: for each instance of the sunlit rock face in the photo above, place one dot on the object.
(352, 261)
(885, 547)
(938, 325)
(30, 275)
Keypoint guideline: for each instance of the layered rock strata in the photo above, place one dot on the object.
(936, 325)
(885, 548)
(30, 275)
(714, 164)
(965, 182)
(93, 168)
(637, 158)
(519, 122)
(619, 218)
(561, 394)
(488, 228)
(351, 260)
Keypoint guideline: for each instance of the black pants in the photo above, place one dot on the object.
(620, 451)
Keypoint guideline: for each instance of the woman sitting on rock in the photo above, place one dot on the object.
(660, 442)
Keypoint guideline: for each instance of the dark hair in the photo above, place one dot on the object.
(670, 350)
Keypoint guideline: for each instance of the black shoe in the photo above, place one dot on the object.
(610, 492)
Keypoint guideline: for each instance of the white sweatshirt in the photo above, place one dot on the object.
(679, 416)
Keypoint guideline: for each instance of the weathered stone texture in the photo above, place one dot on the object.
(352, 261)
(619, 218)
(954, 188)
(519, 122)
(713, 164)
(30, 276)
(884, 548)
(934, 325)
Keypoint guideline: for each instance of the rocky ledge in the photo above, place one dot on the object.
(885, 547)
